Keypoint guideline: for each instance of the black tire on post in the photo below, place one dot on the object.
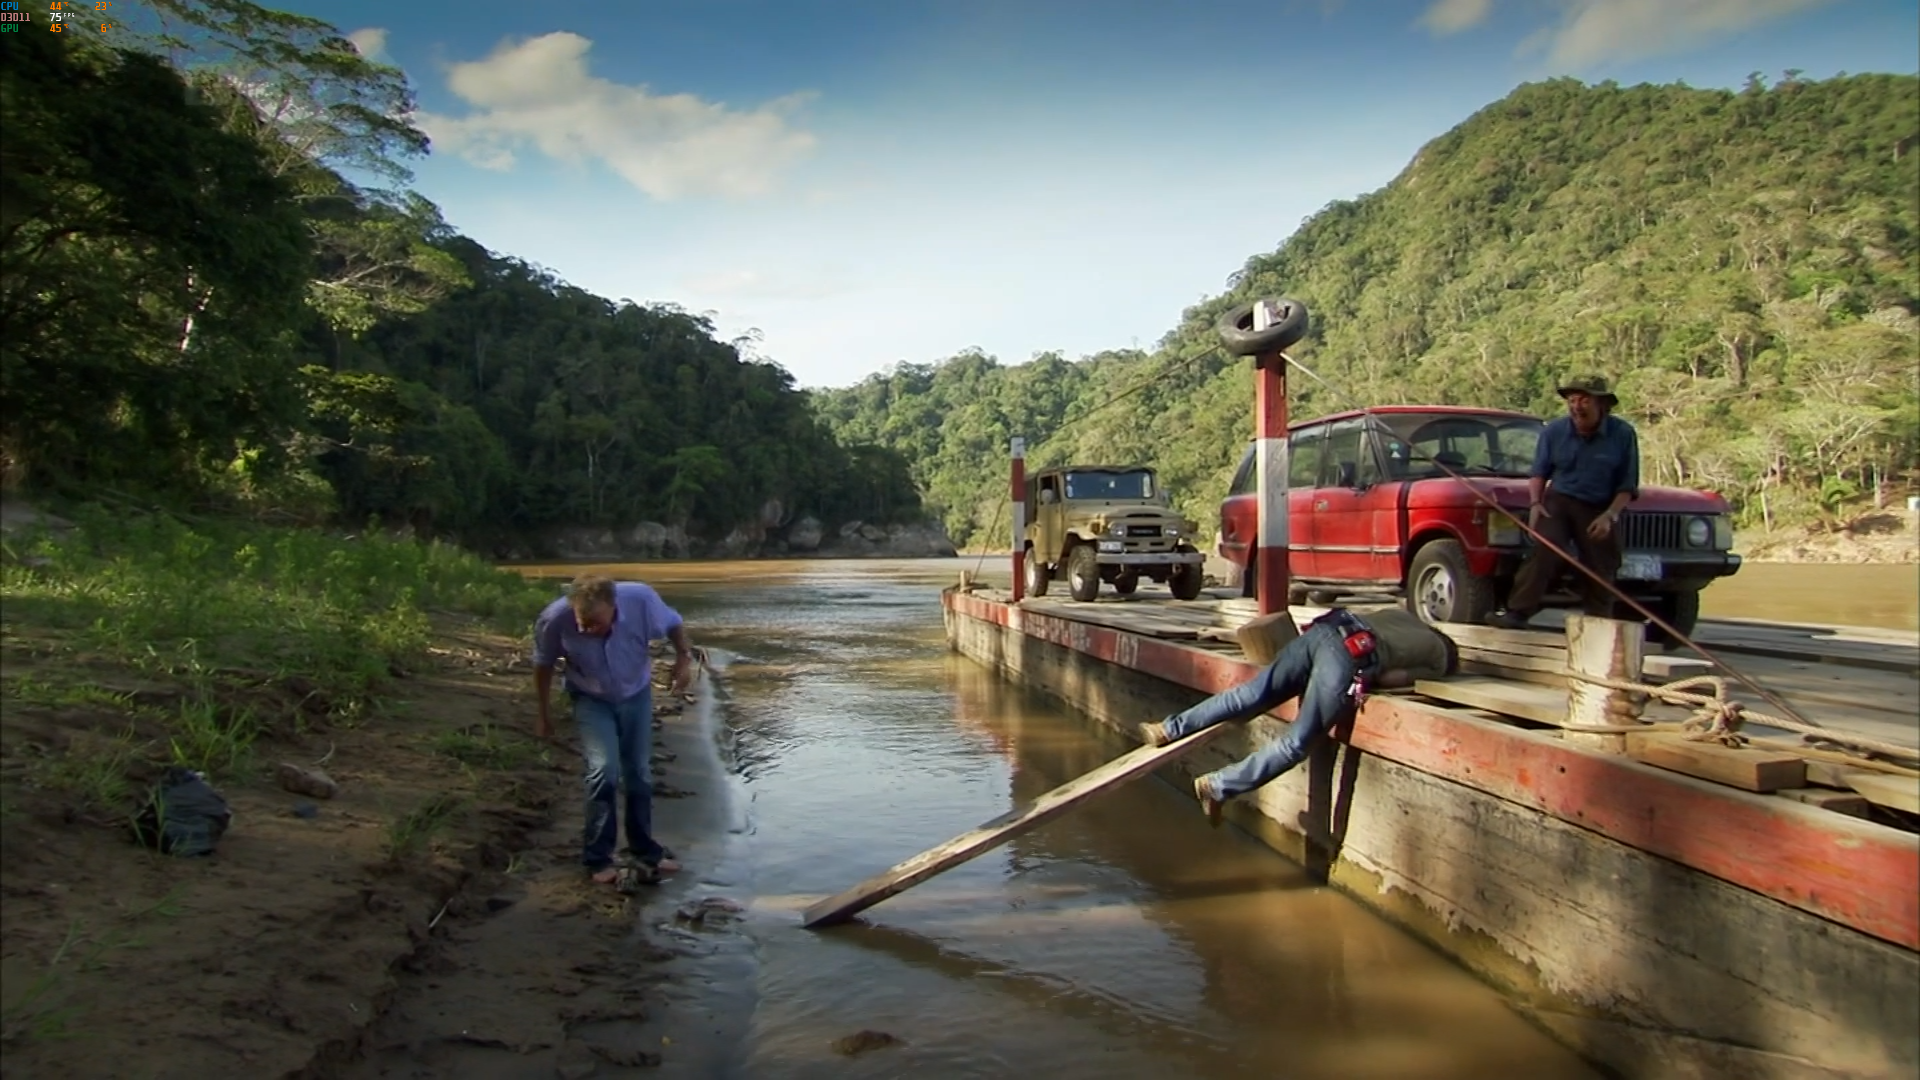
(1083, 573)
(1126, 581)
(1036, 573)
(1238, 337)
(1185, 579)
(1441, 589)
(1681, 609)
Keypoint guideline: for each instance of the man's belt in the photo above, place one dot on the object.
(1359, 639)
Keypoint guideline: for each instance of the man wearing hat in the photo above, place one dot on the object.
(1586, 468)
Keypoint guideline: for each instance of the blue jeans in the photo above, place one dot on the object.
(619, 732)
(1316, 668)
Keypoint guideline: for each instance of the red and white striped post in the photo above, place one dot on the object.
(1019, 519)
(1270, 425)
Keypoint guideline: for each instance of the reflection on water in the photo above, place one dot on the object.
(1123, 939)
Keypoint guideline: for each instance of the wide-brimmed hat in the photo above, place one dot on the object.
(1593, 385)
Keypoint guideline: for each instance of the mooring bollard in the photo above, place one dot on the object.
(1611, 649)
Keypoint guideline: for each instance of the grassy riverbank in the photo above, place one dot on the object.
(132, 642)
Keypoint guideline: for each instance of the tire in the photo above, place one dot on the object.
(1238, 337)
(1250, 578)
(1440, 589)
(1036, 574)
(1083, 573)
(1185, 579)
(1322, 597)
(1126, 582)
(1681, 609)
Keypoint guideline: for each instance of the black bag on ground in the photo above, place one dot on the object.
(184, 815)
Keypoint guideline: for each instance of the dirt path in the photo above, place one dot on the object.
(430, 920)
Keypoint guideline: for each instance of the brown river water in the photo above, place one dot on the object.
(1124, 939)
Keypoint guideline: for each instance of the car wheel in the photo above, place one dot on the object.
(1250, 578)
(1322, 597)
(1126, 582)
(1083, 573)
(1681, 610)
(1036, 574)
(1185, 579)
(1441, 589)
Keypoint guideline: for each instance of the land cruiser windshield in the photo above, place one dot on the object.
(1415, 445)
(1110, 485)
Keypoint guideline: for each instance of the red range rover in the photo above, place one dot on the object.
(1369, 513)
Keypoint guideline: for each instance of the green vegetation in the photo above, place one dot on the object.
(215, 288)
(223, 625)
(1745, 266)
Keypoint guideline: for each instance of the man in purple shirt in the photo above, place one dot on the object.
(602, 629)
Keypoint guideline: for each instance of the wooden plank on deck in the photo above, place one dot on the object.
(1537, 703)
(1840, 802)
(1129, 766)
(1741, 767)
(1884, 789)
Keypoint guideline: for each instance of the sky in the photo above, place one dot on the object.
(857, 183)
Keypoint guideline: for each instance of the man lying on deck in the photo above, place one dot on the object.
(1330, 667)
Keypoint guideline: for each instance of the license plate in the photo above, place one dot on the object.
(1637, 567)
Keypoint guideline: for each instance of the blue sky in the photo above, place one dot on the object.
(865, 182)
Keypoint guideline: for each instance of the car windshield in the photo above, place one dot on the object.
(1416, 445)
(1110, 485)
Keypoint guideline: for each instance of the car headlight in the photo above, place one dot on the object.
(1171, 530)
(1722, 532)
(1699, 532)
(1502, 531)
(1117, 529)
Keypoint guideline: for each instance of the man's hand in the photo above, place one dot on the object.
(682, 674)
(1601, 527)
(1536, 515)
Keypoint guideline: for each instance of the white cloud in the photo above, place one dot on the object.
(1452, 16)
(1597, 31)
(371, 41)
(539, 92)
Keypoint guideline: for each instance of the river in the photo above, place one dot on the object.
(1125, 939)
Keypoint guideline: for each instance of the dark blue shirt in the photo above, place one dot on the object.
(1592, 468)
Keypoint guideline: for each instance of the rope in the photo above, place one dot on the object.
(1716, 719)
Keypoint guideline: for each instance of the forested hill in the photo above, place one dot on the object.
(217, 290)
(1745, 266)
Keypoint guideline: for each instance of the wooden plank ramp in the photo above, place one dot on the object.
(989, 835)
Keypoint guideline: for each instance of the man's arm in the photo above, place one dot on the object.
(682, 658)
(542, 691)
(546, 653)
(1538, 475)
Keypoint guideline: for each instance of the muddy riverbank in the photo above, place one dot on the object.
(430, 919)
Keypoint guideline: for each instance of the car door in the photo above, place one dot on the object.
(1342, 507)
(1240, 512)
(1303, 474)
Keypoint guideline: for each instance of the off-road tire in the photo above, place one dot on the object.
(1126, 582)
(1441, 589)
(1083, 573)
(1681, 609)
(1036, 573)
(1185, 579)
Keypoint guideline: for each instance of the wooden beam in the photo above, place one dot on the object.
(1839, 802)
(903, 876)
(1537, 703)
(1898, 792)
(1742, 767)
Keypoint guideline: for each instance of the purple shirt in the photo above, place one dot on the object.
(615, 667)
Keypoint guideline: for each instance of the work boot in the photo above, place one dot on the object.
(1510, 620)
(1210, 803)
(1155, 733)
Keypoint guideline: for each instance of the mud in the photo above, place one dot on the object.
(429, 919)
